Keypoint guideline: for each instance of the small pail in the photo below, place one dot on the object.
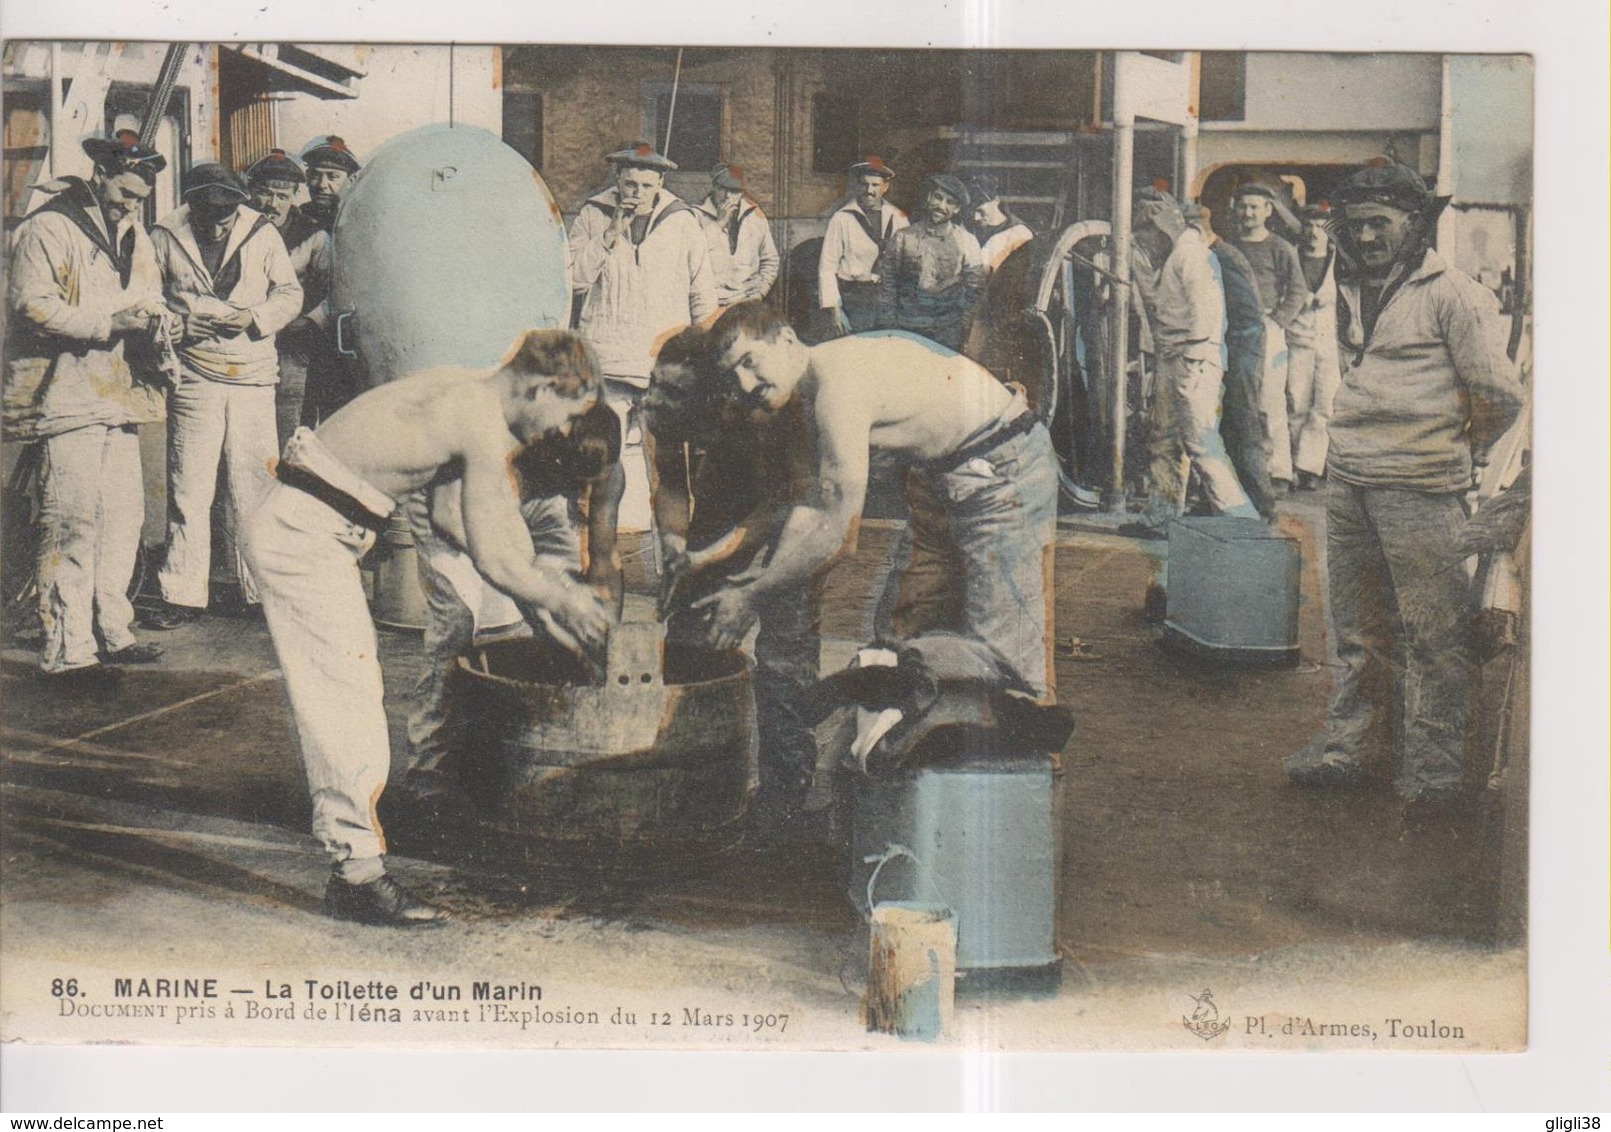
(911, 963)
(398, 601)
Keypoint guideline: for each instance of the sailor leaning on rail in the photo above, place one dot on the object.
(452, 430)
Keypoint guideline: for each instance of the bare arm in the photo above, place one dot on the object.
(747, 534)
(668, 465)
(603, 558)
(814, 532)
(501, 547)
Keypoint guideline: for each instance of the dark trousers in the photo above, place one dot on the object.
(976, 557)
(788, 647)
(788, 659)
(1401, 610)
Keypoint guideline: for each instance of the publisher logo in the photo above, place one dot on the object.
(1204, 1020)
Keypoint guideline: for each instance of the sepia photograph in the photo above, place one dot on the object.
(620, 546)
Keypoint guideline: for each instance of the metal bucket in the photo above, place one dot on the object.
(979, 835)
(1233, 591)
(656, 762)
(912, 969)
(911, 960)
(398, 599)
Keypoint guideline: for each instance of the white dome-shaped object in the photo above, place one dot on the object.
(447, 247)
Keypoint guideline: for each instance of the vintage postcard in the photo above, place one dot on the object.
(531, 546)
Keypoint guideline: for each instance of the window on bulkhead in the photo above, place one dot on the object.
(1222, 86)
(523, 124)
(835, 133)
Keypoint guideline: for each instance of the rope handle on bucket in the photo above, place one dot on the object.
(891, 851)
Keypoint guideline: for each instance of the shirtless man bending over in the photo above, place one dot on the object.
(981, 481)
(442, 429)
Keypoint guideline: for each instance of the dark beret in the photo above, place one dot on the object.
(212, 183)
(984, 188)
(275, 167)
(729, 177)
(123, 153)
(330, 152)
(640, 155)
(950, 185)
(1384, 182)
(872, 164)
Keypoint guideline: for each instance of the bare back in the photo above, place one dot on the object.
(919, 400)
(886, 391)
(403, 435)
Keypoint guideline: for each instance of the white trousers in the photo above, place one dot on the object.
(209, 421)
(1313, 377)
(1273, 402)
(305, 559)
(93, 507)
(1185, 423)
(636, 511)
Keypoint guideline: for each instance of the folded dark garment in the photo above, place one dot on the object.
(958, 698)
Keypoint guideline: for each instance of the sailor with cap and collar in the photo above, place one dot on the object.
(1284, 291)
(84, 293)
(847, 280)
(329, 166)
(743, 255)
(1427, 392)
(274, 183)
(641, 269)
(225, 268)
(999, 232)
(639, 257)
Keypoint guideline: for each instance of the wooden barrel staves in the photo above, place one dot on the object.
(647, 765)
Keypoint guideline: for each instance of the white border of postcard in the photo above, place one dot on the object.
(1565, 1068)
